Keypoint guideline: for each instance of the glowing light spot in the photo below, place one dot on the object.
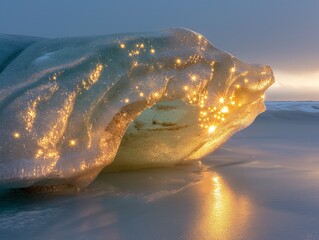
(194, 77)
(16, 135)
(142, 45)
(224, 109)
(246, 80)
(216, 179)
(141, 94)
(156, 94)
(185, 88)
(200, 37)
(211, 129)
(54, 78)
(232, 103)
(122, 45)
(237, 86)
(127, 100)
(232, 69)
(72, 142)
(263, 96)
(221, 100)
(178, 61)
(152, 51)
(135, 64)
(39, 153)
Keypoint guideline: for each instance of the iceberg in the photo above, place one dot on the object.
(71, 107)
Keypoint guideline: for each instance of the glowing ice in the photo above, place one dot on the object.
(65, 104)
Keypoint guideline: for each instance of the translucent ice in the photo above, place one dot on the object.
(69, 107)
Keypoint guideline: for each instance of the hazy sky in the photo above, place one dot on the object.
(281, 33)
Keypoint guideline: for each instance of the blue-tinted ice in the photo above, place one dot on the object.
(69, 107)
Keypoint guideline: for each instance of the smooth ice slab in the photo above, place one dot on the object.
(65, 104)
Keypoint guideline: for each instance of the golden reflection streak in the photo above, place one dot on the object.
(222, 213)
(48, 142)
(93, 77)
(31, 114)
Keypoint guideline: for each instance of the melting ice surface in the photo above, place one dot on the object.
(72, 107)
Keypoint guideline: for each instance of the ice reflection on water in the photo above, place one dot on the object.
(203, 204)
(221, 210)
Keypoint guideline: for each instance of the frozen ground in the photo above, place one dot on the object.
(262, 184)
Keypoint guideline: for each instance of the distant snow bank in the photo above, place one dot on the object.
(310, 107)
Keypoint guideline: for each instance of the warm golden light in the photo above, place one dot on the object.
(48, 142)
(220, 210)
(39, 153)
(135, 64)
(211, 129)
(93, 77)
(16, 135)
(216, 179)
(180, 72)
(194, 77)
(224, 109)
(72, 142)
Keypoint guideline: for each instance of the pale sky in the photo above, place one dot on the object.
(281, 33)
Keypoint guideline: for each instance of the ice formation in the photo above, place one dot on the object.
(69, 107)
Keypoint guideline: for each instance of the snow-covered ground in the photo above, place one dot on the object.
(293, 106)
(262, 184)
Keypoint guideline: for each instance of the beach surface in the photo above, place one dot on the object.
(262, 184)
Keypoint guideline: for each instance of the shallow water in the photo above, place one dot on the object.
(262, 184)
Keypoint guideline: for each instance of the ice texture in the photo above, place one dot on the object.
(69, 107)
(11, 46)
